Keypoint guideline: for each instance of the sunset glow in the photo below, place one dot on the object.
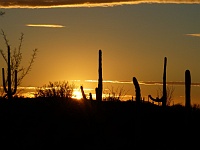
(134, 37)
(77, 94)
(99, 74)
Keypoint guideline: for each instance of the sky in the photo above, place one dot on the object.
(134, 37)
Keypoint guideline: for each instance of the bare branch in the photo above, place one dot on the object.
(170, 91)
(115, 94)
(4, 37)
(3, 55)
(25, 72)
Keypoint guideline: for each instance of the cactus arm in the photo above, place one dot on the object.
(155, 99)
(15, 85)
(96, 90)
(4, 81)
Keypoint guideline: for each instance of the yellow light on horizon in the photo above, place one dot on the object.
(28, 95)
(77, 94)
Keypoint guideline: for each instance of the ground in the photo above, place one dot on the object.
(60, 124)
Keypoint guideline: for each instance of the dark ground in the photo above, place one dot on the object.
(70, 124)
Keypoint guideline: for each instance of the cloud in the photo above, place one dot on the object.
(45, 25)
(82, 3)
(175, 83)
(110, 81)
(194, 34)
(160, 83)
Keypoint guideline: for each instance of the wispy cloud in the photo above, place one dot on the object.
(45, 25)
(82, 3)
(194, 34)
(109, 81)
(175, 83)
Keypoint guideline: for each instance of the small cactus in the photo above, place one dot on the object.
(137, 90)
(83, 93)
(90, 96)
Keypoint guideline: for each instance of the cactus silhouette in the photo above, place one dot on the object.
(9, 90)
(100, 80)
(137, 90)
(90, 96)
(83, 93)
(163, 99)
(187, 89)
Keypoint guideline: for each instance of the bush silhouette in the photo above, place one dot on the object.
(62, 89)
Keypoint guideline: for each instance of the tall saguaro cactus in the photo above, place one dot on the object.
(163, 99)
(99, 89)
(9, 90)
(187, 89)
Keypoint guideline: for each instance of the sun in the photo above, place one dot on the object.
(77, 94)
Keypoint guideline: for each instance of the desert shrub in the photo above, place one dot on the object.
(196, 107)
(170, 94)
(62, 89)
(114, 94)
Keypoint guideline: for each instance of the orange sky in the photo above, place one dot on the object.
(134, 40)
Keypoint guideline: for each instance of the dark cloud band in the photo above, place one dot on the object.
(81, 3)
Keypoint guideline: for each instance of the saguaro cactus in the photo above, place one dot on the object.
(9, 90)
(163, 99)
(99, 89)
(187, 89)
(90, 94)
(137, 90)
(83, 93)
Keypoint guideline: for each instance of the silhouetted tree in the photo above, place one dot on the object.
(13, 61)
(11, 90)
